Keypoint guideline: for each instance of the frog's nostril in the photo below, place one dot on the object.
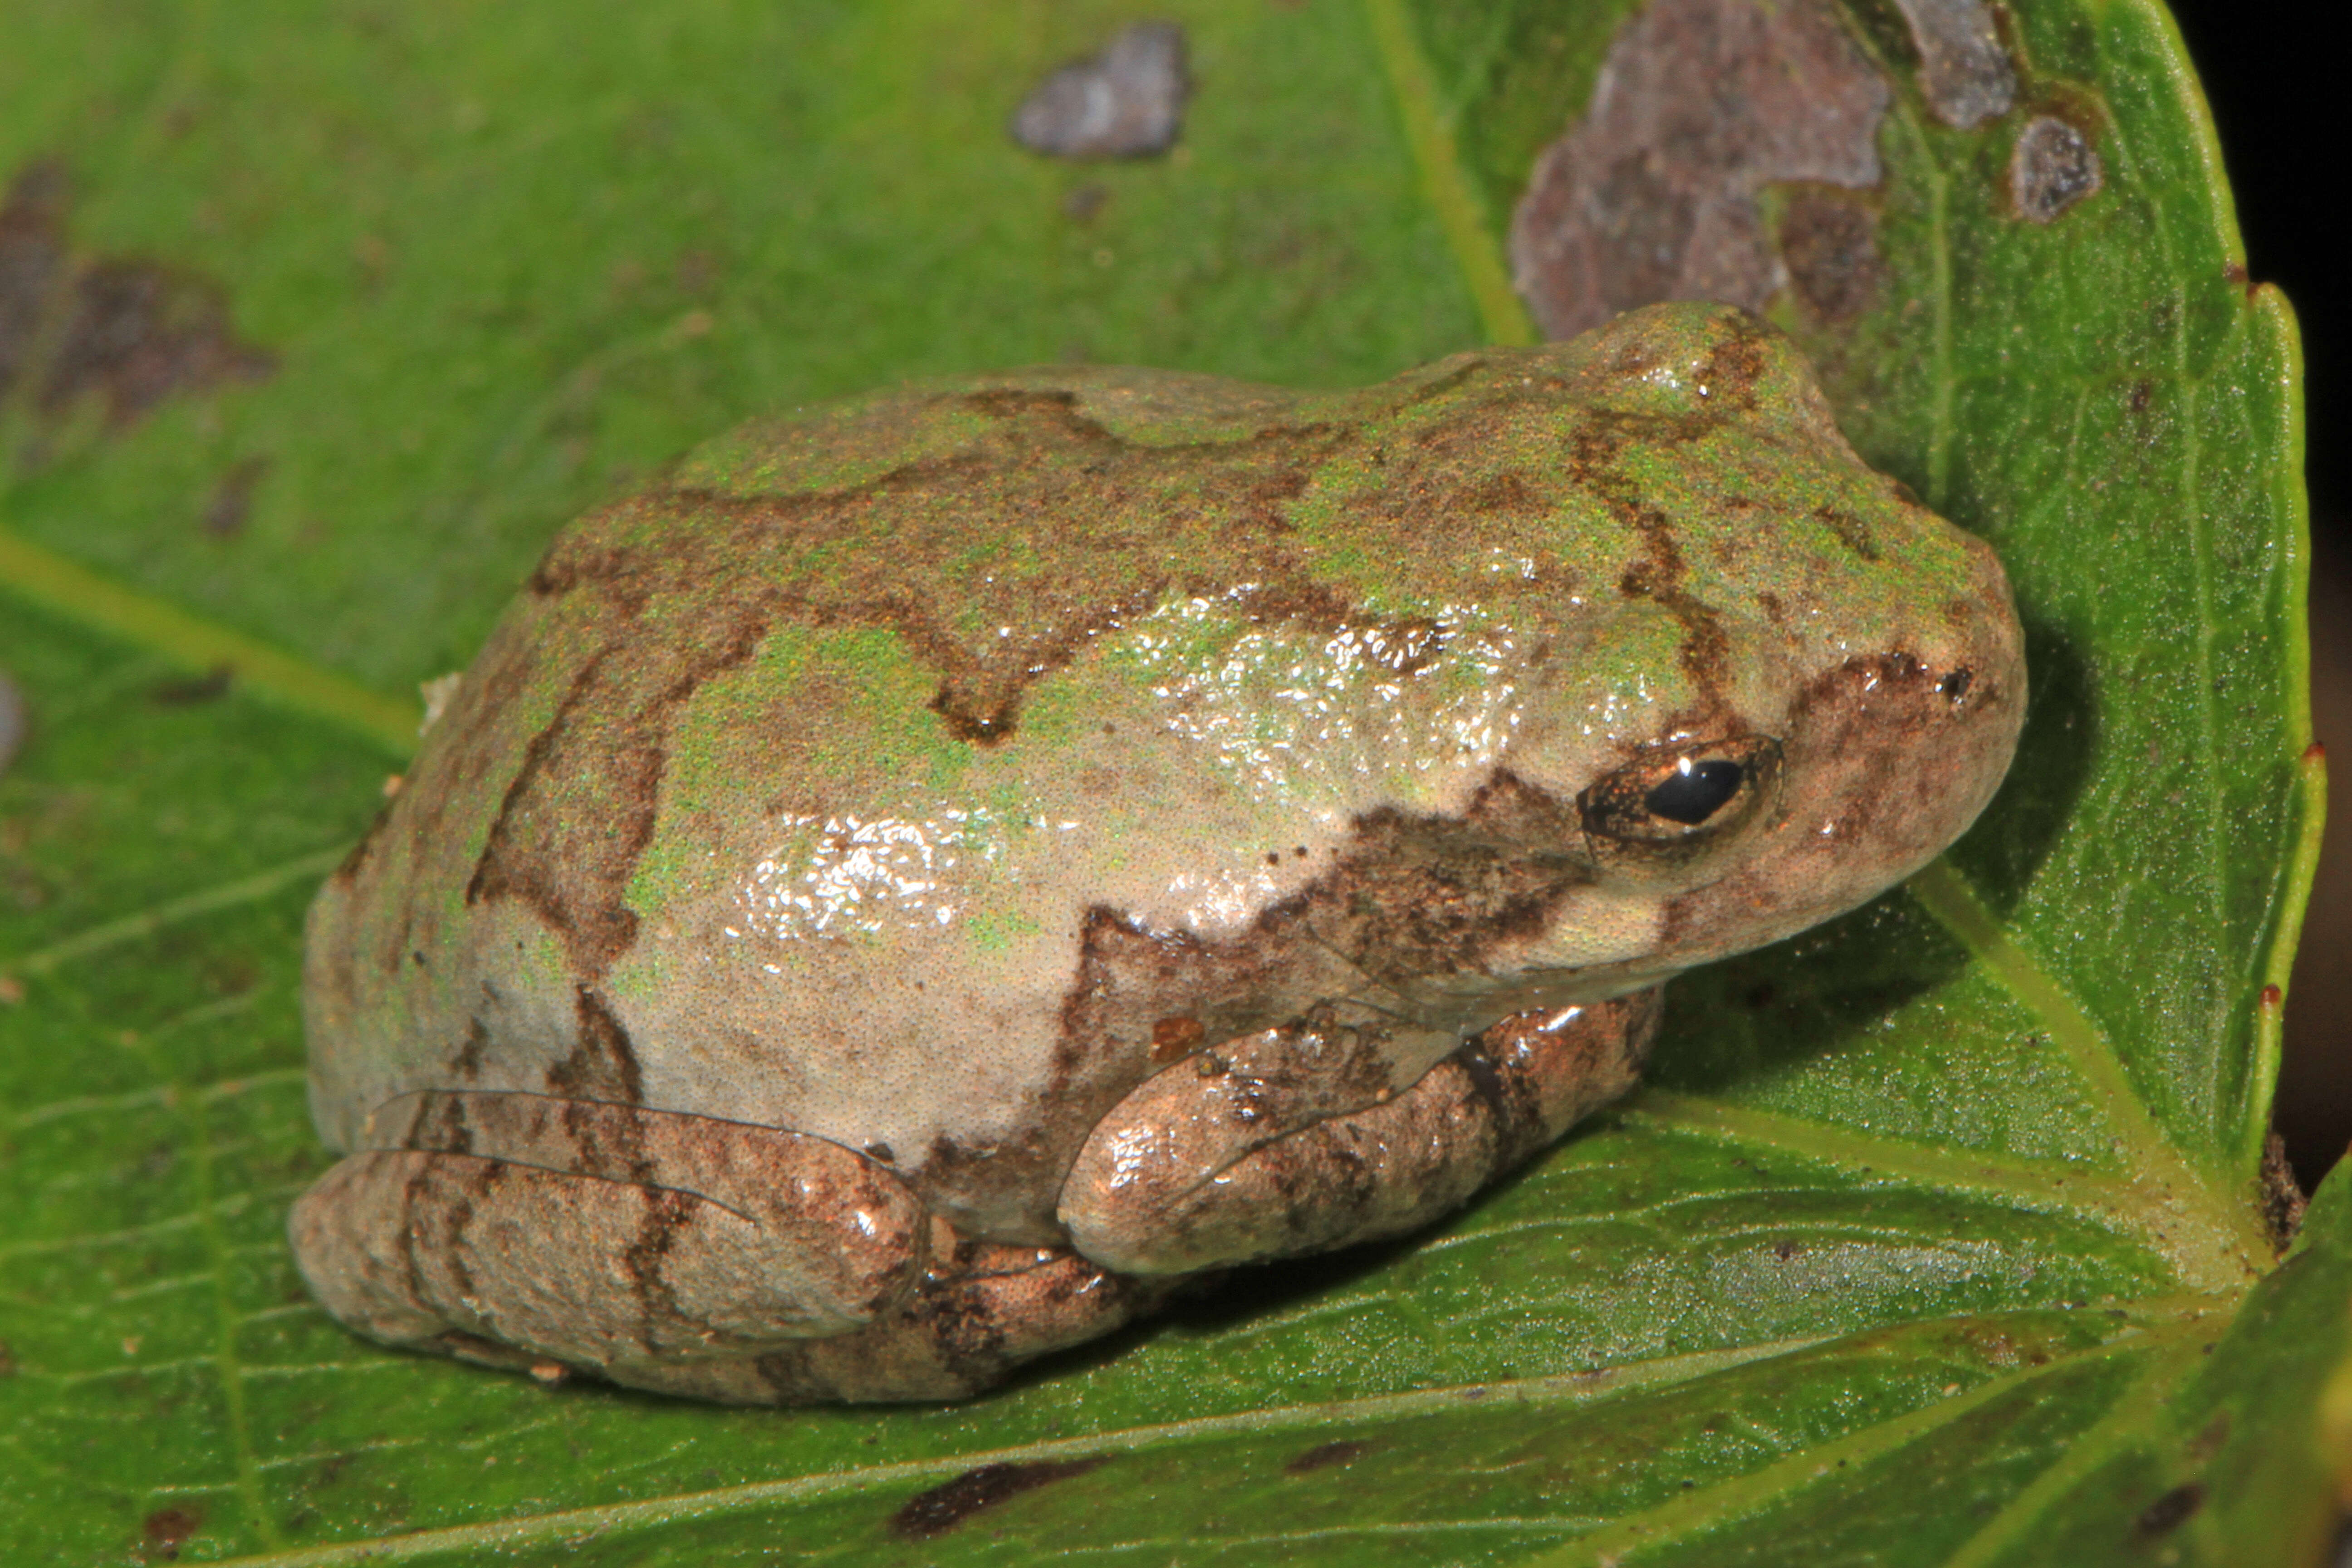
(1955, 686)
(1695, 791)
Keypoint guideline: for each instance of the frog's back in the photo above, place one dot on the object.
(861, 780)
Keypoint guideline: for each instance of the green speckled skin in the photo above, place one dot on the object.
(922, 774)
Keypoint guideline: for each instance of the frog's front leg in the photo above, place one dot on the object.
(518, 1228)
(1235, 1153)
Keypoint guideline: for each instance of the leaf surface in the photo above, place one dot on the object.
(1914, 1247)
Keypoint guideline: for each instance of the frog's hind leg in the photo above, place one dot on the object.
(1191, 1170)
(981, 1309)
(519, 1228)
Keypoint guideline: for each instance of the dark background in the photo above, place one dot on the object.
(2278, 98)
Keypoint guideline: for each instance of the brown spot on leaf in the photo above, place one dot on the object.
(2283, 1200)
(2207, 1443)
(126, 331)
(2052, 167)
(2170, 1511)
(930, 1514)
(1829, 242)
(32, 261)
(210, 687)
(138, 332)
(232, 498)
(1322, 1456)
(1964, 73)
(166, 1529)
(1653, 194)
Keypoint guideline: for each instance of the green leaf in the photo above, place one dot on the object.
(1912, 1253)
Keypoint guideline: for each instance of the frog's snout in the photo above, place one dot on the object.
(1885, 760)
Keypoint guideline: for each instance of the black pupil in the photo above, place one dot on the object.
(1695, 791)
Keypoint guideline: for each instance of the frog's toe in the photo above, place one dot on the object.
(592, 1234)
(1151, 1194)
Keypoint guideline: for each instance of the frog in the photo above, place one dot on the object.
(944, 871)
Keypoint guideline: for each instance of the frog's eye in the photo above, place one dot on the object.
(1682, 794)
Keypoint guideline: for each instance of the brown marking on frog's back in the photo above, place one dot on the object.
(466, 1061)
(1737, 362)
(1507, 492)
(603, 1065)
(1659, 574)
(582, 807)
(1852, 530)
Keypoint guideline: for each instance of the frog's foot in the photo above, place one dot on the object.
(1212, 1160)
(518, 1229)
(981, 1311)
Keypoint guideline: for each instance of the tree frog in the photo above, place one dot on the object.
(942, 869)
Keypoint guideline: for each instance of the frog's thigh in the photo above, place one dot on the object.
(1141, 1200)
(980, 1311)
(590, 1233)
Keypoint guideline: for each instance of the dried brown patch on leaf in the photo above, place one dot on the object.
(935, 1513)
(166, 1529)
(138, 332)
(224, 511)
(2169, 1512)
(189, 690)
(1124, 101)
(1964, 73)
(126, 331)
(1828, 240)
(12, 721)
(1322, 1456)
(32, 262)
(2283, 1201)
(2052, 167)
(1653, 195)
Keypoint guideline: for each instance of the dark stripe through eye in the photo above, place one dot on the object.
(1695, 791)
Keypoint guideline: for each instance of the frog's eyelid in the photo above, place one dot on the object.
(1617, 806)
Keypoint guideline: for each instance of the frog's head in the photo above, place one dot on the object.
(1799, 685)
